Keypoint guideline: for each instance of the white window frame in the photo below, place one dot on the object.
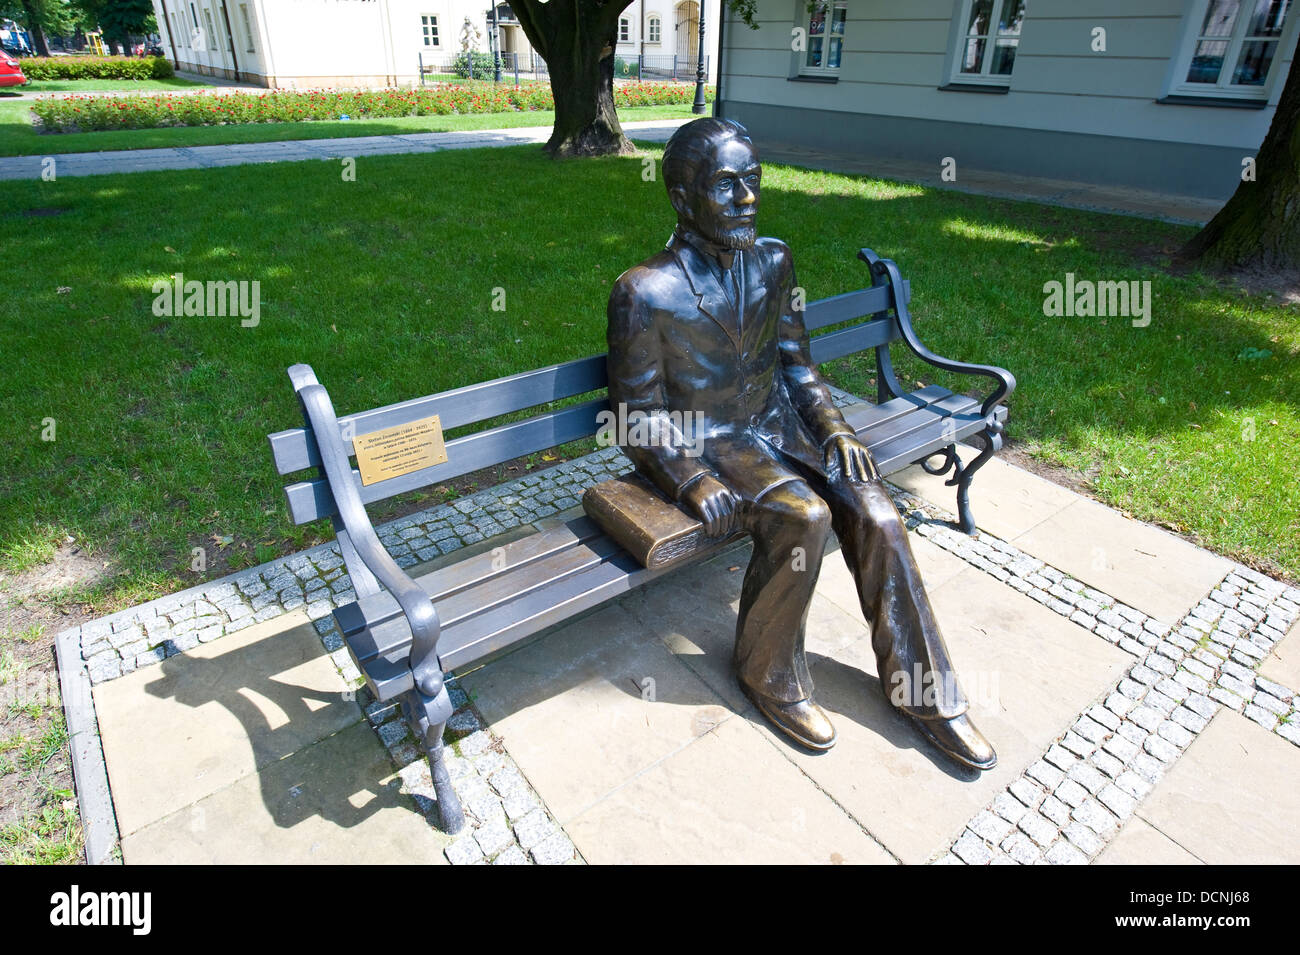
(1223, 88)
(962, 38)
(804, 22)
(428, 20)
(624, 30)
(212, 31)
(654, 29)
(248, 28)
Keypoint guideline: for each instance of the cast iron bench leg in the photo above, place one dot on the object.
(962, 475)
(427, 716)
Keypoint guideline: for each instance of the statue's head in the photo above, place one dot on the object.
(712, 174)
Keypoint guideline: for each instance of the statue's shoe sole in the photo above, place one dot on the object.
(959, 757)
(774, 717)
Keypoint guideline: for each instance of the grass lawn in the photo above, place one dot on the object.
(19, 138)
(99, 86)
(385, 286)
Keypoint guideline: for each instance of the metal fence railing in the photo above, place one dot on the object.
(515, 67)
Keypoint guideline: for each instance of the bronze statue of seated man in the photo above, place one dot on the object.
(708, 331)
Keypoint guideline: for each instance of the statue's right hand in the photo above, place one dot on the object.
(714, 504)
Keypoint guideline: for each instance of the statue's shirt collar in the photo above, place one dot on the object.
(715, 254)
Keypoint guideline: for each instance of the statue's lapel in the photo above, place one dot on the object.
(710, 297)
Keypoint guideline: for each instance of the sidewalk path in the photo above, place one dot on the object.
(1190, 210)
(207, 157)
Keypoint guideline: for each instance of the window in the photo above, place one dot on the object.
(824, 43)
(212, 34)
(248, 27)
(653, 30)
(429, 29)
(624, 30)
(987, 41)
(1233, 50)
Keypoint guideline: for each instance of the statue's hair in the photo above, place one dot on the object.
(693, 144)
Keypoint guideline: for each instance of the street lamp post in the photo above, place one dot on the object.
(698, 107)
(494, 26)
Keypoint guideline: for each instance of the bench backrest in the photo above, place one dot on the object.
(310, 500)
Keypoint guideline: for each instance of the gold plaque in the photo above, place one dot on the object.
(396, 451)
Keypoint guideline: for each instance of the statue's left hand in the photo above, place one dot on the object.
(849, 457)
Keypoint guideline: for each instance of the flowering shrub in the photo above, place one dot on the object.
(83, 113)
(97, 68)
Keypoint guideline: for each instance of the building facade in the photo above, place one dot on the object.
(1170, 95)
(371, 43)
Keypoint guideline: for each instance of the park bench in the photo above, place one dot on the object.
(405, 633)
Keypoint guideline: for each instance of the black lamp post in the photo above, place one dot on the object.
(698, 107)
(494, 31)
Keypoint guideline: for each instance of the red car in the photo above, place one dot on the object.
(11, 74)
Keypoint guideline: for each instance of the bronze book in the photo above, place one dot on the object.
(643, 522)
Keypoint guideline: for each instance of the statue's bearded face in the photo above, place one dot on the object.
(723, 205)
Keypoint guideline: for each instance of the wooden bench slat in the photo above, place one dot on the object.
(394, 634)
(892, 456)
(311, 500)
(294, 451)
(472, 571)
(859, 304)
(849, 341)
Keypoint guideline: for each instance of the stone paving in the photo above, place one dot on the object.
(208, 157)
(1064, 808)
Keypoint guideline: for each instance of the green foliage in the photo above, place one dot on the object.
(482, 63)
(120, 18)
(97, 68)
(86, 113)
(624, 70)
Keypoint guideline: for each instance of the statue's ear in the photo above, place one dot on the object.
(677, 196)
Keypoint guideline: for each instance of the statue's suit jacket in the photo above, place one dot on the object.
(677, 344)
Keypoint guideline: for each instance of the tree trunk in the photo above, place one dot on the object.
(577, 38)
(1259, 227)
(582, 82)
(34, 28)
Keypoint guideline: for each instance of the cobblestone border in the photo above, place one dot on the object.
(1073, 800)
(1067, 805)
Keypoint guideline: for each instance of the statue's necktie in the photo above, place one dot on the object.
(733, 279)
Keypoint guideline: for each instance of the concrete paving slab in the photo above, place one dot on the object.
(1152, 570)
(694, 611)
(1283, 664)
(199, 721)
(729, 797)
(1233, 797)
(1027, 671)
(1006, 500)
(334, 802)
(578, 715)
(1140, 843)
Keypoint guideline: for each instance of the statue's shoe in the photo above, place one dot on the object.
(804, 722)
(959, 738)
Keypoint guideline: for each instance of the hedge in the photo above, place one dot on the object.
(78, 113)
(97, 68)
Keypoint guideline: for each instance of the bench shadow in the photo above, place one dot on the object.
(704, 616)
(276, 716)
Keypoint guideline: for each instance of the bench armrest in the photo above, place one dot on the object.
(415, 603)
(885, 271)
